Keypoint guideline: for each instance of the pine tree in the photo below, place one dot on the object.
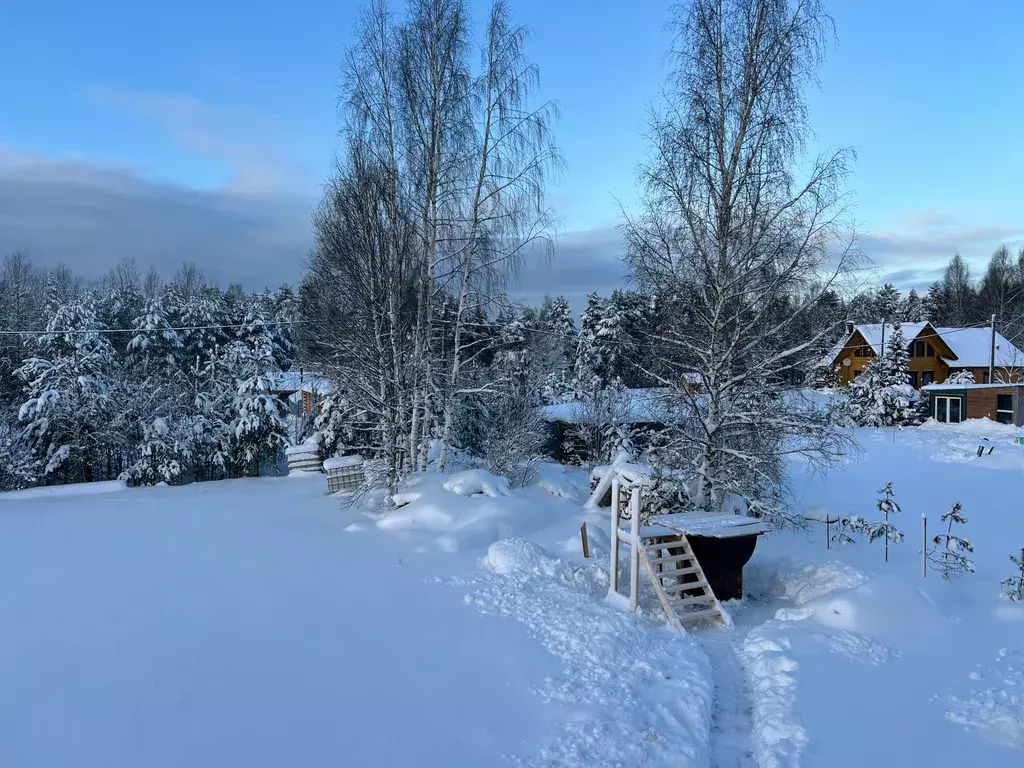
(1013, 586)
(951, 553)
(66, 410)
(887, 303)
(881, 396)
(557, 339)
(155, 345)
(886, 506)
(587, 379)
(913, 309)
(258, 431)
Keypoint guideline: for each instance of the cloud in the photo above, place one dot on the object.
(249, 142)
(916, 253)
(584, 261)
(90, 216)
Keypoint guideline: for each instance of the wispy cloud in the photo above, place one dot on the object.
(249, 142)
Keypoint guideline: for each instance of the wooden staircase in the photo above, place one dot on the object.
(679, 582)
(675, 574)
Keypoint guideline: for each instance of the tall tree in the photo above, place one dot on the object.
(725, 224)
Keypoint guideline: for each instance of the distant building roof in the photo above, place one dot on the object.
(972, 346)
(298, 381)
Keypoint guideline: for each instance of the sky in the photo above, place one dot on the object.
(203, 131)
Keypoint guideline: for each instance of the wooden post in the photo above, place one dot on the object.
(887, 534)
(924, 546)
(583, 538)
(992, 355)
(614, 573)
(634, 549)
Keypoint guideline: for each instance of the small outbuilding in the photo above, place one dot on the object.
(953, 403)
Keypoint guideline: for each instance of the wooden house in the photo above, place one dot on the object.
(935, 353)
(953, 403)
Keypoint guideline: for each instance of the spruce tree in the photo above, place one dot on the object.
(951, 553)
(66, 410)
(1013, 585)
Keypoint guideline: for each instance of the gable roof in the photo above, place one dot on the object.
(970, 346)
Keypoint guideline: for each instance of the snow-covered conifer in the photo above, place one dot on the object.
(1013, 585)
(951, 553)
(66, 409)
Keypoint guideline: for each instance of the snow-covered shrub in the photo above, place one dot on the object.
(849, 528)
(951, 553)
(961, 377)
(1013, 585)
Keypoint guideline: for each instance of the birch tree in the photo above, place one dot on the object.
(513, 154)
(728, 233)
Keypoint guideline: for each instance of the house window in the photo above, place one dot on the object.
(913, 379)
(927, 377)
(918, 349)
(984, 377)
(931, 351)
(948, 410)
(1004, 409)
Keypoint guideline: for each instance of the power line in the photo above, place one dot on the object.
(153, 330)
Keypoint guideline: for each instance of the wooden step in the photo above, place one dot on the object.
(691, 601)
(685, 586)
(671, 558)
(682, 572)
(696, 615)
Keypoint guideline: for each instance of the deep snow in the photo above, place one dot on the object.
(262, 623)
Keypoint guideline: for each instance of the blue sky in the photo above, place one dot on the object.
(202, 130)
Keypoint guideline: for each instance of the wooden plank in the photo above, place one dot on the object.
(695, 615)
(685, 586)
(671, 558)
(692, 601)
(634, 549)
(613, 574)
(662, 597)
(583, 538)
(681, 572)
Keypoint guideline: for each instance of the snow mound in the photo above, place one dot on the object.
(58, 491)
(777, 739)
(561, 481)
(887, 606)
(980, 427)
(800, 582)
(477, 481)
(342, 461)
(526, 560)
(470, 509)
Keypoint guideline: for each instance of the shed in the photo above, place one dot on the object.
(953, 403)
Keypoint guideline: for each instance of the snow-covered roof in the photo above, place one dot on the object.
(968, 385)
(970, 345)
(628, 406)
(298, 381)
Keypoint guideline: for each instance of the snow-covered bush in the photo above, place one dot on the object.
(951, 553)
(1013, 585)
(161, 456)
(961, 377)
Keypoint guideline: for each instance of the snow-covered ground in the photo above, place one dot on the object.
(262, 623)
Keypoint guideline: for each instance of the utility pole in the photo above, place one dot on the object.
(992, 354)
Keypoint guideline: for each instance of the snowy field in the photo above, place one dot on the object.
(258, 623)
